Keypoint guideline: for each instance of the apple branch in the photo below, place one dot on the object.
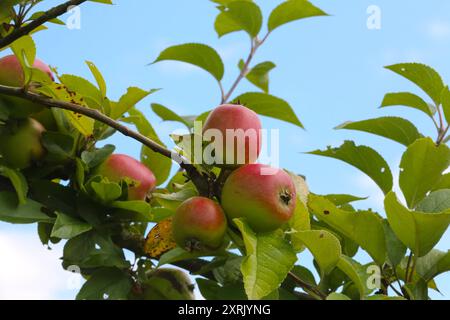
(255, 44)
(201, 183)
(47, 16)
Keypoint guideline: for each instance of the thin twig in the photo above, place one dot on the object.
(306, 286)
(47, 16)
(200, 182)
(407, 267)
(413, 269)
(255, 44)
(442, 135)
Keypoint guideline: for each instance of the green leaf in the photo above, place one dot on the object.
(59, 146)
(396, 250)
(300, 221)
(292, 10)
(13, 212)
(407, 99)
(179, 254)
(341, 199)
(67, 227)
(173, 200)
(356, 272)
(83, 124)
(94, 158)
(365, 159)
(363, 227)
(98, 77)
(239, 15)
(443, 182)
(6, 8)
(168, 115)
(337, 296)
(423, 76)
(268, 261)
(18, 181)
(433, 264)
(128, 101)
(270, 106)
(394, 128)
(134, 210)
(419, 231)
(106, 284)
(259, 74)
(436, 201)
(82, 87)
(421, 167)
(383, 297)
(445, 102)
(24, 49)
(197, 54)
(91, 250)
(211, 290)
(324, 246)
(106, 191)
(159, 164)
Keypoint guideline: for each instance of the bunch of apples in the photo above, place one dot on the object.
(265, 197)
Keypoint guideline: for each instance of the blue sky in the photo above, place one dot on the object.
(330, 69)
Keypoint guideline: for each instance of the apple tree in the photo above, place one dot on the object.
(126, 223)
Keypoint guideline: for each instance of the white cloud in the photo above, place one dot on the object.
(233, 51)
(438, 29)
(29, 271)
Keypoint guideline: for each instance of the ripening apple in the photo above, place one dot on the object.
(119, 167)
(199, 224)
(20, 143)
(240, 131)
(168, 284)
(264, 196)
(46, 118)
(12, 75)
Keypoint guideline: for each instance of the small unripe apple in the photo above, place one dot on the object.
(46, 118)
(230, 120)
(264, 196)
(12, 75)
(199, 224)
(168, 284)
(119, 167)
(20, 143)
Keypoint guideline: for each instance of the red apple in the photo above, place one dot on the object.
(119, 167)
(12, 75)
(199, 224)
(235, 119)
(264, 196)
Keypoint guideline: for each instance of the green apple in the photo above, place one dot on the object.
(21, 143)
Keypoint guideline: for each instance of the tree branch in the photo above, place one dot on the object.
(47, 16)
(199, 181)
(254, 47)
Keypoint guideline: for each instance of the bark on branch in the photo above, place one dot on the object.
(199, 180)
(47, 16)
